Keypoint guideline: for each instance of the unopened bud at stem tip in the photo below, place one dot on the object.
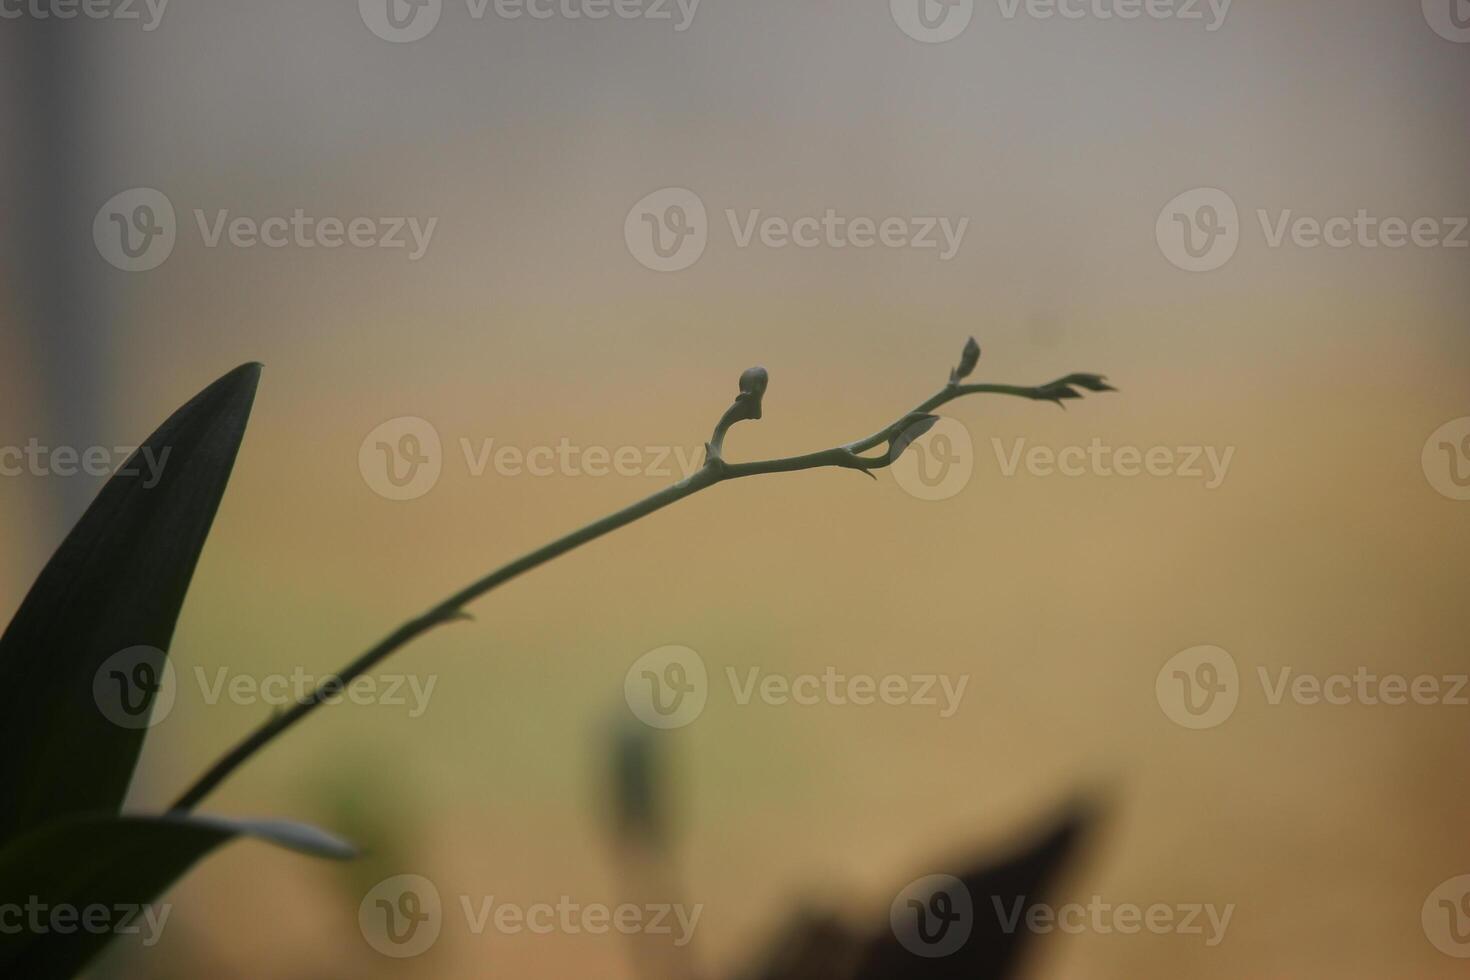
(753, 381)
(969, 357)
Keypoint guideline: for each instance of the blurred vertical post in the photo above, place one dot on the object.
(58, 279)
(648, 871)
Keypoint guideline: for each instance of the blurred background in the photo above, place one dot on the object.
(1331, 543)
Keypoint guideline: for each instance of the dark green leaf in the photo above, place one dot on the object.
(115, 584)
(63, 875)
(989, 948)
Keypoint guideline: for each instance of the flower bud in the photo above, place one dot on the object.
(753, 381)
(969, 357)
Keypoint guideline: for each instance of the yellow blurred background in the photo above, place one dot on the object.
(1326, 548)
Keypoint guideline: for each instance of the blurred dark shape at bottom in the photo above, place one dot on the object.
(970, 923)
(966, 918)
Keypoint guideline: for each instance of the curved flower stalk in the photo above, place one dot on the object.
(856, 455)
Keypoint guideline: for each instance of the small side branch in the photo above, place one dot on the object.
(899, 434)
